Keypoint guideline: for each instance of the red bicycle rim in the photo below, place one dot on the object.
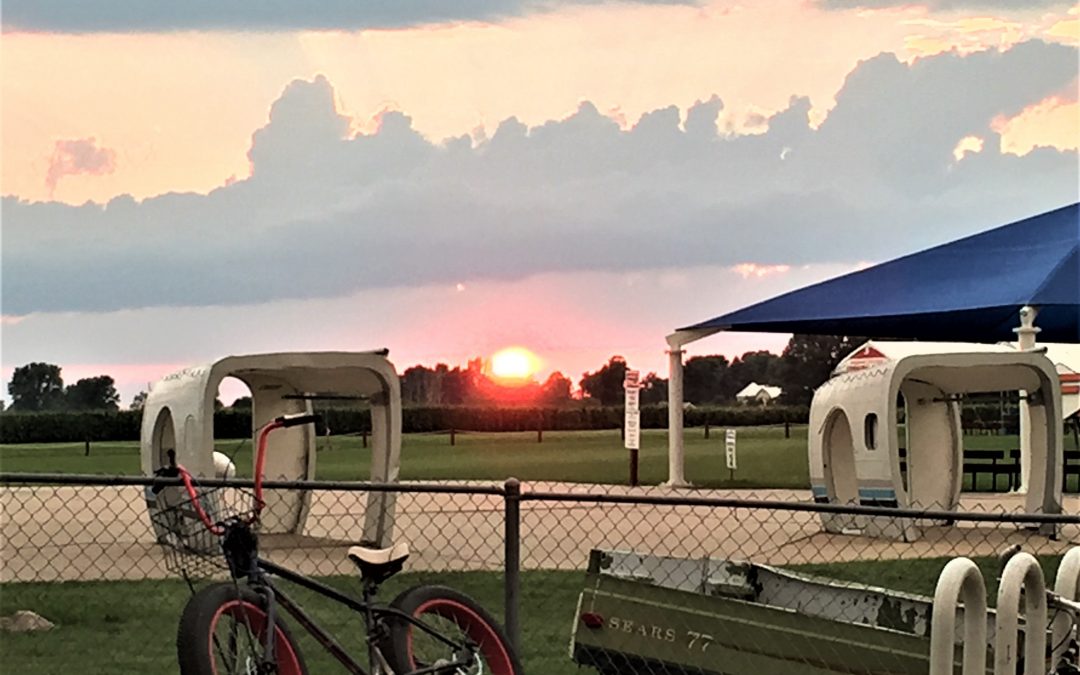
(254, 619)
(472, 625)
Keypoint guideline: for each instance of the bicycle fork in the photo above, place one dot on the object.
(268, 665)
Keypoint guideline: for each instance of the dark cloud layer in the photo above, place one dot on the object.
(325, 214)
(136, 16)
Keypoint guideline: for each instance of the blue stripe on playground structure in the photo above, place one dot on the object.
(868, 493)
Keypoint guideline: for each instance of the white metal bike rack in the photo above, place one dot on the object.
(1067, 586)
(961, 579)
(1021, 581)
(1022, 573)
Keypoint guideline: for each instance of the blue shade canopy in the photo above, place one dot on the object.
(969, 290)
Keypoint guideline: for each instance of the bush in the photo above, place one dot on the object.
(60, 427)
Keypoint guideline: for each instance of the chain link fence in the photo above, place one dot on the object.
(587, 578)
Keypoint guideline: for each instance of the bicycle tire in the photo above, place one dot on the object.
(201, 650)
(434, 604)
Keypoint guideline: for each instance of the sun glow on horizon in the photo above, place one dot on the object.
(514, 364)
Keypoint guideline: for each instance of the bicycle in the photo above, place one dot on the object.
(225, 628)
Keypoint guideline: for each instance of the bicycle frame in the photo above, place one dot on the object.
(372, 615)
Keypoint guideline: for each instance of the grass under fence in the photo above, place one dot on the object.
(106, 627)
(130, 626)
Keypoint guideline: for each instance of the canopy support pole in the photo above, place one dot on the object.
(1025, 339)
(676, 452)
(676, 473)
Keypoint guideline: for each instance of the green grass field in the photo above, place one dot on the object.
(766, 458)
(109, 627)
(130, 626)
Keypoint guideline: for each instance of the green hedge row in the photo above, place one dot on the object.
(62, 427)
(57, 427)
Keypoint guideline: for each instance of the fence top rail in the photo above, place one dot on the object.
(810, 507)
(98, 480)
(506, 490)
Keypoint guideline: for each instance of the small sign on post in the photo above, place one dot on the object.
(632, 421)
(729, 452)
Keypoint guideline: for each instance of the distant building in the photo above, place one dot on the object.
(758, 394)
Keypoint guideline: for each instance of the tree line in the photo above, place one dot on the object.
(38, 387)
(804, 364)
(802, 367)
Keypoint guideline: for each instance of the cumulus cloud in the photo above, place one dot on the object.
(326, 213)
(133, 16)
(78, 156)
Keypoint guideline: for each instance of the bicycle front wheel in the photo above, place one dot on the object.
(457, 617)
(223, 632)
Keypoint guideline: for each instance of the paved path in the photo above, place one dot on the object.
(69, 533)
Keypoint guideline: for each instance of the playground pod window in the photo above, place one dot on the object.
(870, 428)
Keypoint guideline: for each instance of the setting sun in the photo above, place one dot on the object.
(514, 363)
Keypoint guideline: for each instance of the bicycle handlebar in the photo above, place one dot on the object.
(282, 422)
(297, 419)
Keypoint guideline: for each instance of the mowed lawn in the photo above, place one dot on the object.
(111, 627)
(765, 457)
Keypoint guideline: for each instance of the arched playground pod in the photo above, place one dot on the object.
(927, 380)
(179, 416)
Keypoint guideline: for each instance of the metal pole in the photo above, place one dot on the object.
(1025, 341)
(512, 559)
(676, 475)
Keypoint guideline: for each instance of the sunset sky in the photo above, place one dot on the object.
(184, 181)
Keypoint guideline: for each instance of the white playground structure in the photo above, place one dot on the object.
(854, 443)
(179, 416)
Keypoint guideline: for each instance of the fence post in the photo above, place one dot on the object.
(512, 561)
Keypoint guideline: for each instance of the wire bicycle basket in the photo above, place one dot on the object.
(190, 547)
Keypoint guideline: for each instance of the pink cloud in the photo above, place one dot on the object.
(756, 271)
(78, 156)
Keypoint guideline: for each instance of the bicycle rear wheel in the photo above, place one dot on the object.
(457, 617)
(222, 632)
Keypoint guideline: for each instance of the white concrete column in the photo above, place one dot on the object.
(676, 341)
(676, 469)
(1025, 339)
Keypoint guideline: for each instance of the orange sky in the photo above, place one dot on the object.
(176, 112)
(184, 123)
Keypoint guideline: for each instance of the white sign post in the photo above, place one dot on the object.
(632, 421)
(729, 451)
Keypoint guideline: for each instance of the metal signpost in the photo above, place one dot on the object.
(729, 451)
(633, 421)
